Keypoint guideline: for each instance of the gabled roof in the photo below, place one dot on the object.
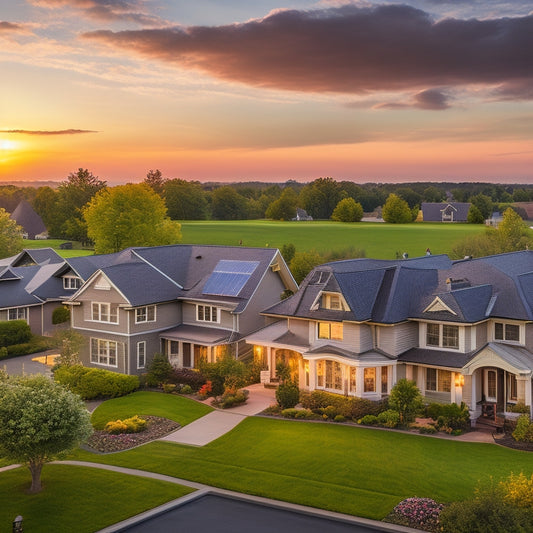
(432, 212)
(25, 216)
(36, 256)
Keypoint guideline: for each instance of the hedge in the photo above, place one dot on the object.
(91, 383)
(14, 332)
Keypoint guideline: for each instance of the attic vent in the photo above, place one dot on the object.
(454, 284)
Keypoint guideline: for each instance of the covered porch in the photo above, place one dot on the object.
(497, 379)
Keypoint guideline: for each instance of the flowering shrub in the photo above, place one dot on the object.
(518, 490)
(419, 513)
(206, 389)
(524, 429)
(135, 424)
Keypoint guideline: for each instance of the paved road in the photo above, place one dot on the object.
(25, 364)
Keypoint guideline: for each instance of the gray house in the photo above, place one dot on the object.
(188, 302)
(463, 330)
(445, 212)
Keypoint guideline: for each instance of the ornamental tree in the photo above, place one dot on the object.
(396, 210)
(348, 210)
(39, 421)
(129, 215)
(405, 398)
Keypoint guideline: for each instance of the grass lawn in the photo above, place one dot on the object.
(181, 410)
(364, 472)
(79, 499)
(379, 240)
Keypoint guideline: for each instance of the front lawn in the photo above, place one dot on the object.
(364, 472)
(79, 499)
(181, 410)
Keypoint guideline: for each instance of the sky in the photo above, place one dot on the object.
(266, 90)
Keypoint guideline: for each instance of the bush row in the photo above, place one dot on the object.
(14, 332)
(91, 383)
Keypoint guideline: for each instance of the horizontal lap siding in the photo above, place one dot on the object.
(395, 340)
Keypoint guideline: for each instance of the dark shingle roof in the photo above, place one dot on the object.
(432, 212)
(436, 357)
(25, 216)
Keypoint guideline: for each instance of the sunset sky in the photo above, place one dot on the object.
(240, 90)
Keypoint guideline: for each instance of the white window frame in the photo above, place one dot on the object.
(103, 309)
(438, 381)
(142, 314)
(201, 313)
(440, 345)
(102, 356)
(329, 335)
(71, 283)
(14, 313)
(141, 351)
(505, 323)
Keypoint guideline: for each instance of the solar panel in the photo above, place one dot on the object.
(229, 277)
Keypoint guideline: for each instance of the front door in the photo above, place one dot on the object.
(490, 384)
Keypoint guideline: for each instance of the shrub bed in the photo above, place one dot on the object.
(91, 383)
(186, 376)
(14, 332)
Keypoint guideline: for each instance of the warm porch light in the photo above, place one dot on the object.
(459, 380)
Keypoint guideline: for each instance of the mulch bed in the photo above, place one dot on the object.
(507, 440)
(103, 442)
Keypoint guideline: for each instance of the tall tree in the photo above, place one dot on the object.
(228, 204)
(186, 200)
(11, 241)
(129, 215)
(396, 210)
(154, 179)
(348, 210)
(45, 205)
(320, 197)
(284, 208)
(39, 420)
(73, 195)
(484, 204)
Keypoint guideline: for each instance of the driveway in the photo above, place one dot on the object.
(34, 363)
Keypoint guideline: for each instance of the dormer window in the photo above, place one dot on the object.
(333, 301)
(71, 282)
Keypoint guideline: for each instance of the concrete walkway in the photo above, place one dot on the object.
(217, 423)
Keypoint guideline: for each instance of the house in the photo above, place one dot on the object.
(301, 214)
(462, 330)
(494, 219)
(32, 224)
(32, 284)
(445, 212)
(188, 302)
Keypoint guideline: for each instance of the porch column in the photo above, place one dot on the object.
(312, 374)
(524, 383)
(473, 388)
(360, 381)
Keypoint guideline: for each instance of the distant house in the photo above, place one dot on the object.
(494, 219)
(31, 223)
(445, 211)
(527, 207)
(301, 214)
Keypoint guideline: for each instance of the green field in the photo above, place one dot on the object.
(378, 240)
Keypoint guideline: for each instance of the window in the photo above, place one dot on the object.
(141, 354)
(104, 352)
(145, 314)
(206, 313)
(104, 312)
(384, 380)
(320, 373)
(71, 282)
(14, 313)
(332, 301)
(506, 332)
(512, 387)
(370, 379)
(442, 335)
(333, 375)
(353, 379)
(438, 380)
(330, 330)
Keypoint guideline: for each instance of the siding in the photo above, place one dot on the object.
(529, 337)
(153, 346)
(167, 316)
(35, 320)
(397, 339)
(189, 317)
(357, 337)
(481, 334)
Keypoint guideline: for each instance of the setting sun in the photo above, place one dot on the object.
(7, 145)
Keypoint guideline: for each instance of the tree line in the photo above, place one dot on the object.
(62, 208)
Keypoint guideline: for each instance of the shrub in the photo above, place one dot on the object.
(454, 417)
(524, 429)
(60, 315)
(226, 373)
(186, 389)
(169, 387)
(3, 352)
(368, 420)
(92, 383)
(350, 407)
(159, 370)
(232, 398)
(427, 430)
(14, 332)
(519, 407)
(418, 513)
(135, 424)
(518, 490)
(36, 344)
(406, 399)
(339, 418)
(187, 376)
(331, 412)
(287, 395)
(389, 418)
(434, 410)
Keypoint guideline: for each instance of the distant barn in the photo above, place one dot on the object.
(31, 223)
(445, 211)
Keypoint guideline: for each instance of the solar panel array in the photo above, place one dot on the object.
(229, 277)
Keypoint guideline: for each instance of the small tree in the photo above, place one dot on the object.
(159, 370)
(348, 210)
(406, 399)
(303, 262)
(10, 235)
(60, 315)
(69, 343)
(474, 215)
(39, 420)
(396, 210)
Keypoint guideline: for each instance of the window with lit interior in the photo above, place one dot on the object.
(330, 330)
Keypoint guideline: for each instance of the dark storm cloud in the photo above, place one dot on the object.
(346, 50)
(10, 27)
(49, 132)
(432, 99)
